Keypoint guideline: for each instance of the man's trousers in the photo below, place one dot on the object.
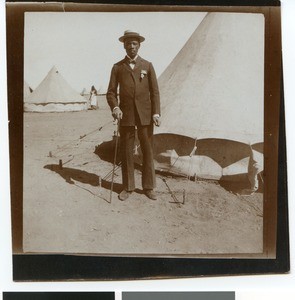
(127, 139)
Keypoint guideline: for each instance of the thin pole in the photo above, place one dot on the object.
(115, 158)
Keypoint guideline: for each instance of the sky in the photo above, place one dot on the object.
(84, 46)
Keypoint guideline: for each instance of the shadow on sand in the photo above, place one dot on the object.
(70, 174)
(106, 151)
(237, 183)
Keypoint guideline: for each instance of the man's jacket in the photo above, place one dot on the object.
(138, 90)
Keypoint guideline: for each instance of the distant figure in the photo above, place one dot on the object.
(93, 98)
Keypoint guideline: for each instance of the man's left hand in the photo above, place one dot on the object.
(157, 120)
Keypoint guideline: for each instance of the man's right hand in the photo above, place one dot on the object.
(117, 113)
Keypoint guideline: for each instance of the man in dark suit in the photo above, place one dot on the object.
(138, 106)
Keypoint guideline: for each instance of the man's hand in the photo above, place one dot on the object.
(157, 120)
(117, 113)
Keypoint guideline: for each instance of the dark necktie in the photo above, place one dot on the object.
(132, 61)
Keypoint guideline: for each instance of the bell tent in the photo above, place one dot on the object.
(27, 90)
(212, 98)
(54, 94)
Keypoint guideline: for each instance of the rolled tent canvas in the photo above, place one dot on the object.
(212, 93)
(54, 94)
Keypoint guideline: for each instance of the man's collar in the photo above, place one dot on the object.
(129, 58)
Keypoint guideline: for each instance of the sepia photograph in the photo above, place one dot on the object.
(144, 138)
(198, 189)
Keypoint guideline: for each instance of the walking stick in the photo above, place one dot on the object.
(115, 158)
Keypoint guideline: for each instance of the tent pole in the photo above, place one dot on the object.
(115, 158)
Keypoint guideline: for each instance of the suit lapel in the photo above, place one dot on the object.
(126, 65)
(138, 64)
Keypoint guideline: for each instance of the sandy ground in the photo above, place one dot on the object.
(66, 210)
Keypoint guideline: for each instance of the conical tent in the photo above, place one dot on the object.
(27, 90)
(212, 93)
(102, 90)
(86, 95)
(84, 92)
(55, 94)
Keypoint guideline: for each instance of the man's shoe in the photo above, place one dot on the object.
(124, 195)
(150, 194)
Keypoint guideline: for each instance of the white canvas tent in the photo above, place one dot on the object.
(101, 97)
(102, 90)
(84, 92)
(27, 90)
(86, 95)
(212, 98)
(54, 94)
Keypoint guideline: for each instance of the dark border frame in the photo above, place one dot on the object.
(58, 295)
(62, 267)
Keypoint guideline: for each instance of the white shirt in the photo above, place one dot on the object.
(132, 65)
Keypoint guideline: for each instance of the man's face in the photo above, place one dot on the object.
(131, 46)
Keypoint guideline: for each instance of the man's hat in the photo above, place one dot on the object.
(131, 34)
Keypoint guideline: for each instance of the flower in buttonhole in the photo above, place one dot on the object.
(143, 73)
